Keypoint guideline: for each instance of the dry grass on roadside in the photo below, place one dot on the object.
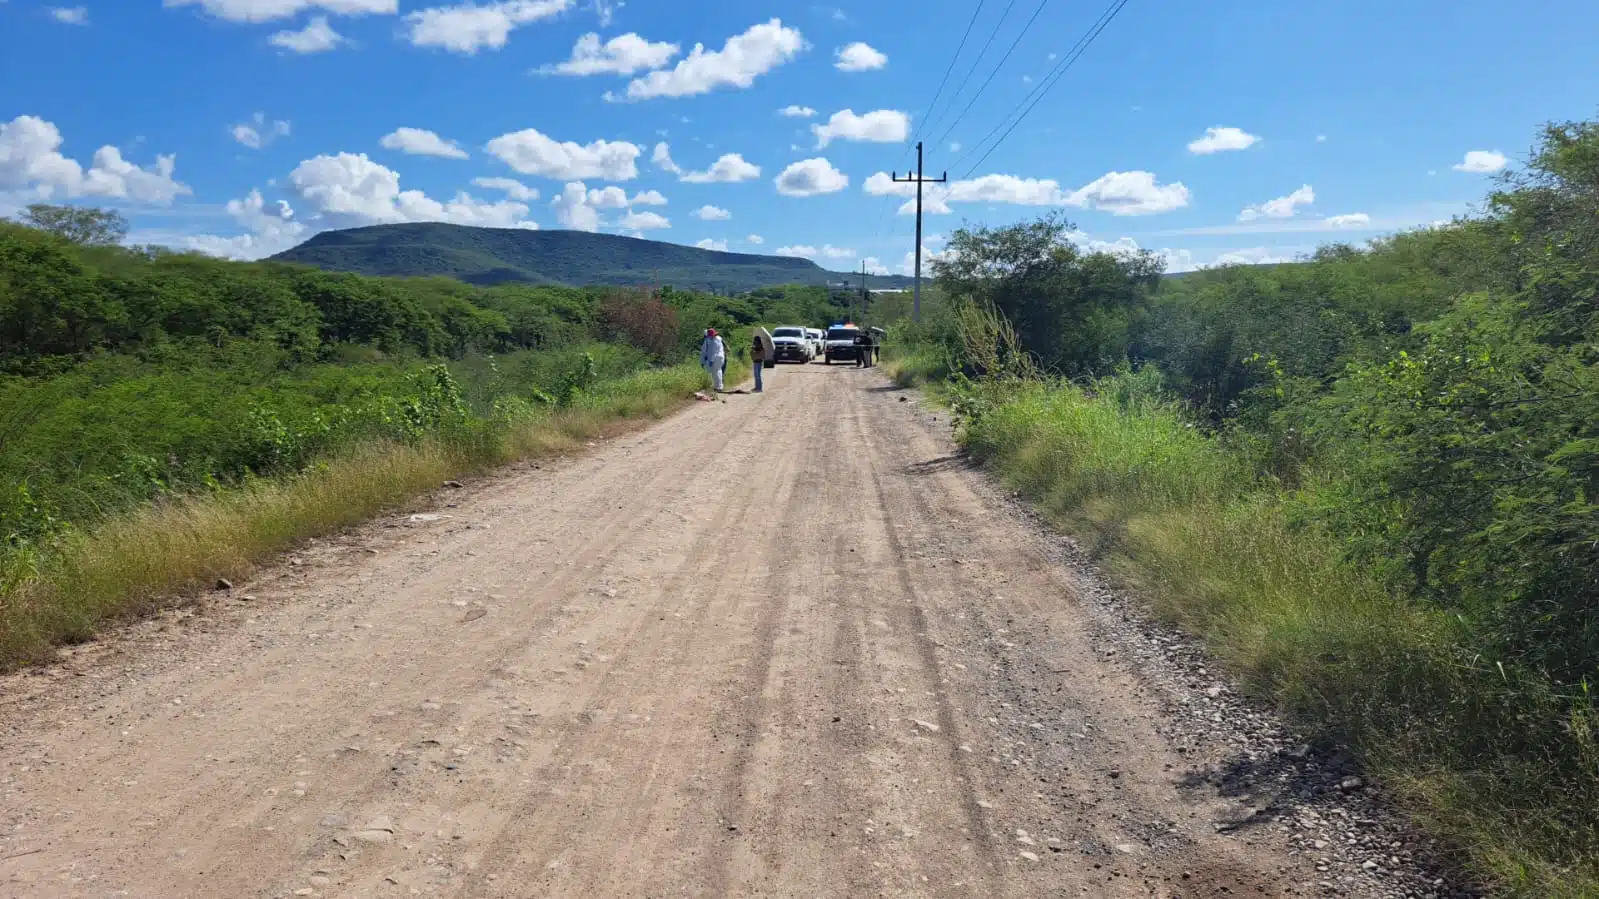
(153, 556)
(1489, 758)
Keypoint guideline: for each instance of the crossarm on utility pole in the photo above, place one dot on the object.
(916, 300)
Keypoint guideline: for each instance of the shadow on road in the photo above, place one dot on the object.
(942, 463)
(1271, 784)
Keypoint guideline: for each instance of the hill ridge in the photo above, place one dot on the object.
(486, 256)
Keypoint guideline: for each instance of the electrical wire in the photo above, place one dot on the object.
(1048, 83)
(882, 212)
(989, 80)
(890, 201)
(951, 67)
(976, 62)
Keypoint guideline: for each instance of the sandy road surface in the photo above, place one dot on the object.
(784, 645)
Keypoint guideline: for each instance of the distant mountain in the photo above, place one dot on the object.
(576, 258)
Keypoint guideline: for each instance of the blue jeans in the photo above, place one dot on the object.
(759, 367)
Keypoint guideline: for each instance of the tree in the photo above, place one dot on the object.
(83, 225)
(642, 320)
(1071, 310)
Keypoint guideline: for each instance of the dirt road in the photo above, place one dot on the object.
(785, 645)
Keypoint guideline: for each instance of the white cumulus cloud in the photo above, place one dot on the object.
(572, 209)
(874, 266)
(662, 159)
(421, 142)
(756, 239)
(643, 221)
(468, 27)
(624, 54)
(70, 15)
(712, 213)
(31, 159)
(268, 10)
(881, 184)
(608, 197)
(859, 57)
(648, 198)
(730, 169)
(742, 59)
(1349, 220)
(350, 188)
(801, 251)
(269, 230)
(883, 126)
(706, 243)
(1129, 193)
(532, 153)
(1120, 193)
(1481, 162)
(810, 177)
(513, 188)
(258, 132)
(1249, 256)
(1280, 208)
(833, 252)
(316, 37)
(1005, 189)
(797, 112)
(1219, 139)
(907, 266)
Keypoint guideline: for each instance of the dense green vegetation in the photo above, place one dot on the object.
(500, 255)
(1369, 479)
(166, 389)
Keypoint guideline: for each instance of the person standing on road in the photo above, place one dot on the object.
(863, 349)
(758, 356)
(713, 357)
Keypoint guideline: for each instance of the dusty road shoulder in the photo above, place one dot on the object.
(724, 656)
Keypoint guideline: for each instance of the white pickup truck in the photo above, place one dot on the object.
(792, 344)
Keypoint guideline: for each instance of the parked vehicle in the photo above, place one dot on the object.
(818, 341)
(792, 344)
(841, 343)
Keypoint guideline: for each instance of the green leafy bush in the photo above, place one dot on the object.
(1368, 477)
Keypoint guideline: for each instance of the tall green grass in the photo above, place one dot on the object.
(135, 561)
(1489, 758)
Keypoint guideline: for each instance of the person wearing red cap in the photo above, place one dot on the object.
(713, 357)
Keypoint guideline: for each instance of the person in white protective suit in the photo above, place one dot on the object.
(713, 357)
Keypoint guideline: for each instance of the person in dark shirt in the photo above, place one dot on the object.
(758, 356)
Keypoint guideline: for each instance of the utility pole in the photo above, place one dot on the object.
(862, 316)
(916, 302)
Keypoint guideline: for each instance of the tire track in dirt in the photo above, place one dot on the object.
(731, 655)
(507, 854)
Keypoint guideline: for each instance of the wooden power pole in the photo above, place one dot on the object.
(916, 300)
(864, 304)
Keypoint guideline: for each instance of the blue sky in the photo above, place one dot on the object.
(1221, 131)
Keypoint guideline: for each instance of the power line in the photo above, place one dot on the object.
(952, 60)
(889, 201)
(882, 212)
(1049, 78)
(1004, 59)
(1049, 81)
(978, 61)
